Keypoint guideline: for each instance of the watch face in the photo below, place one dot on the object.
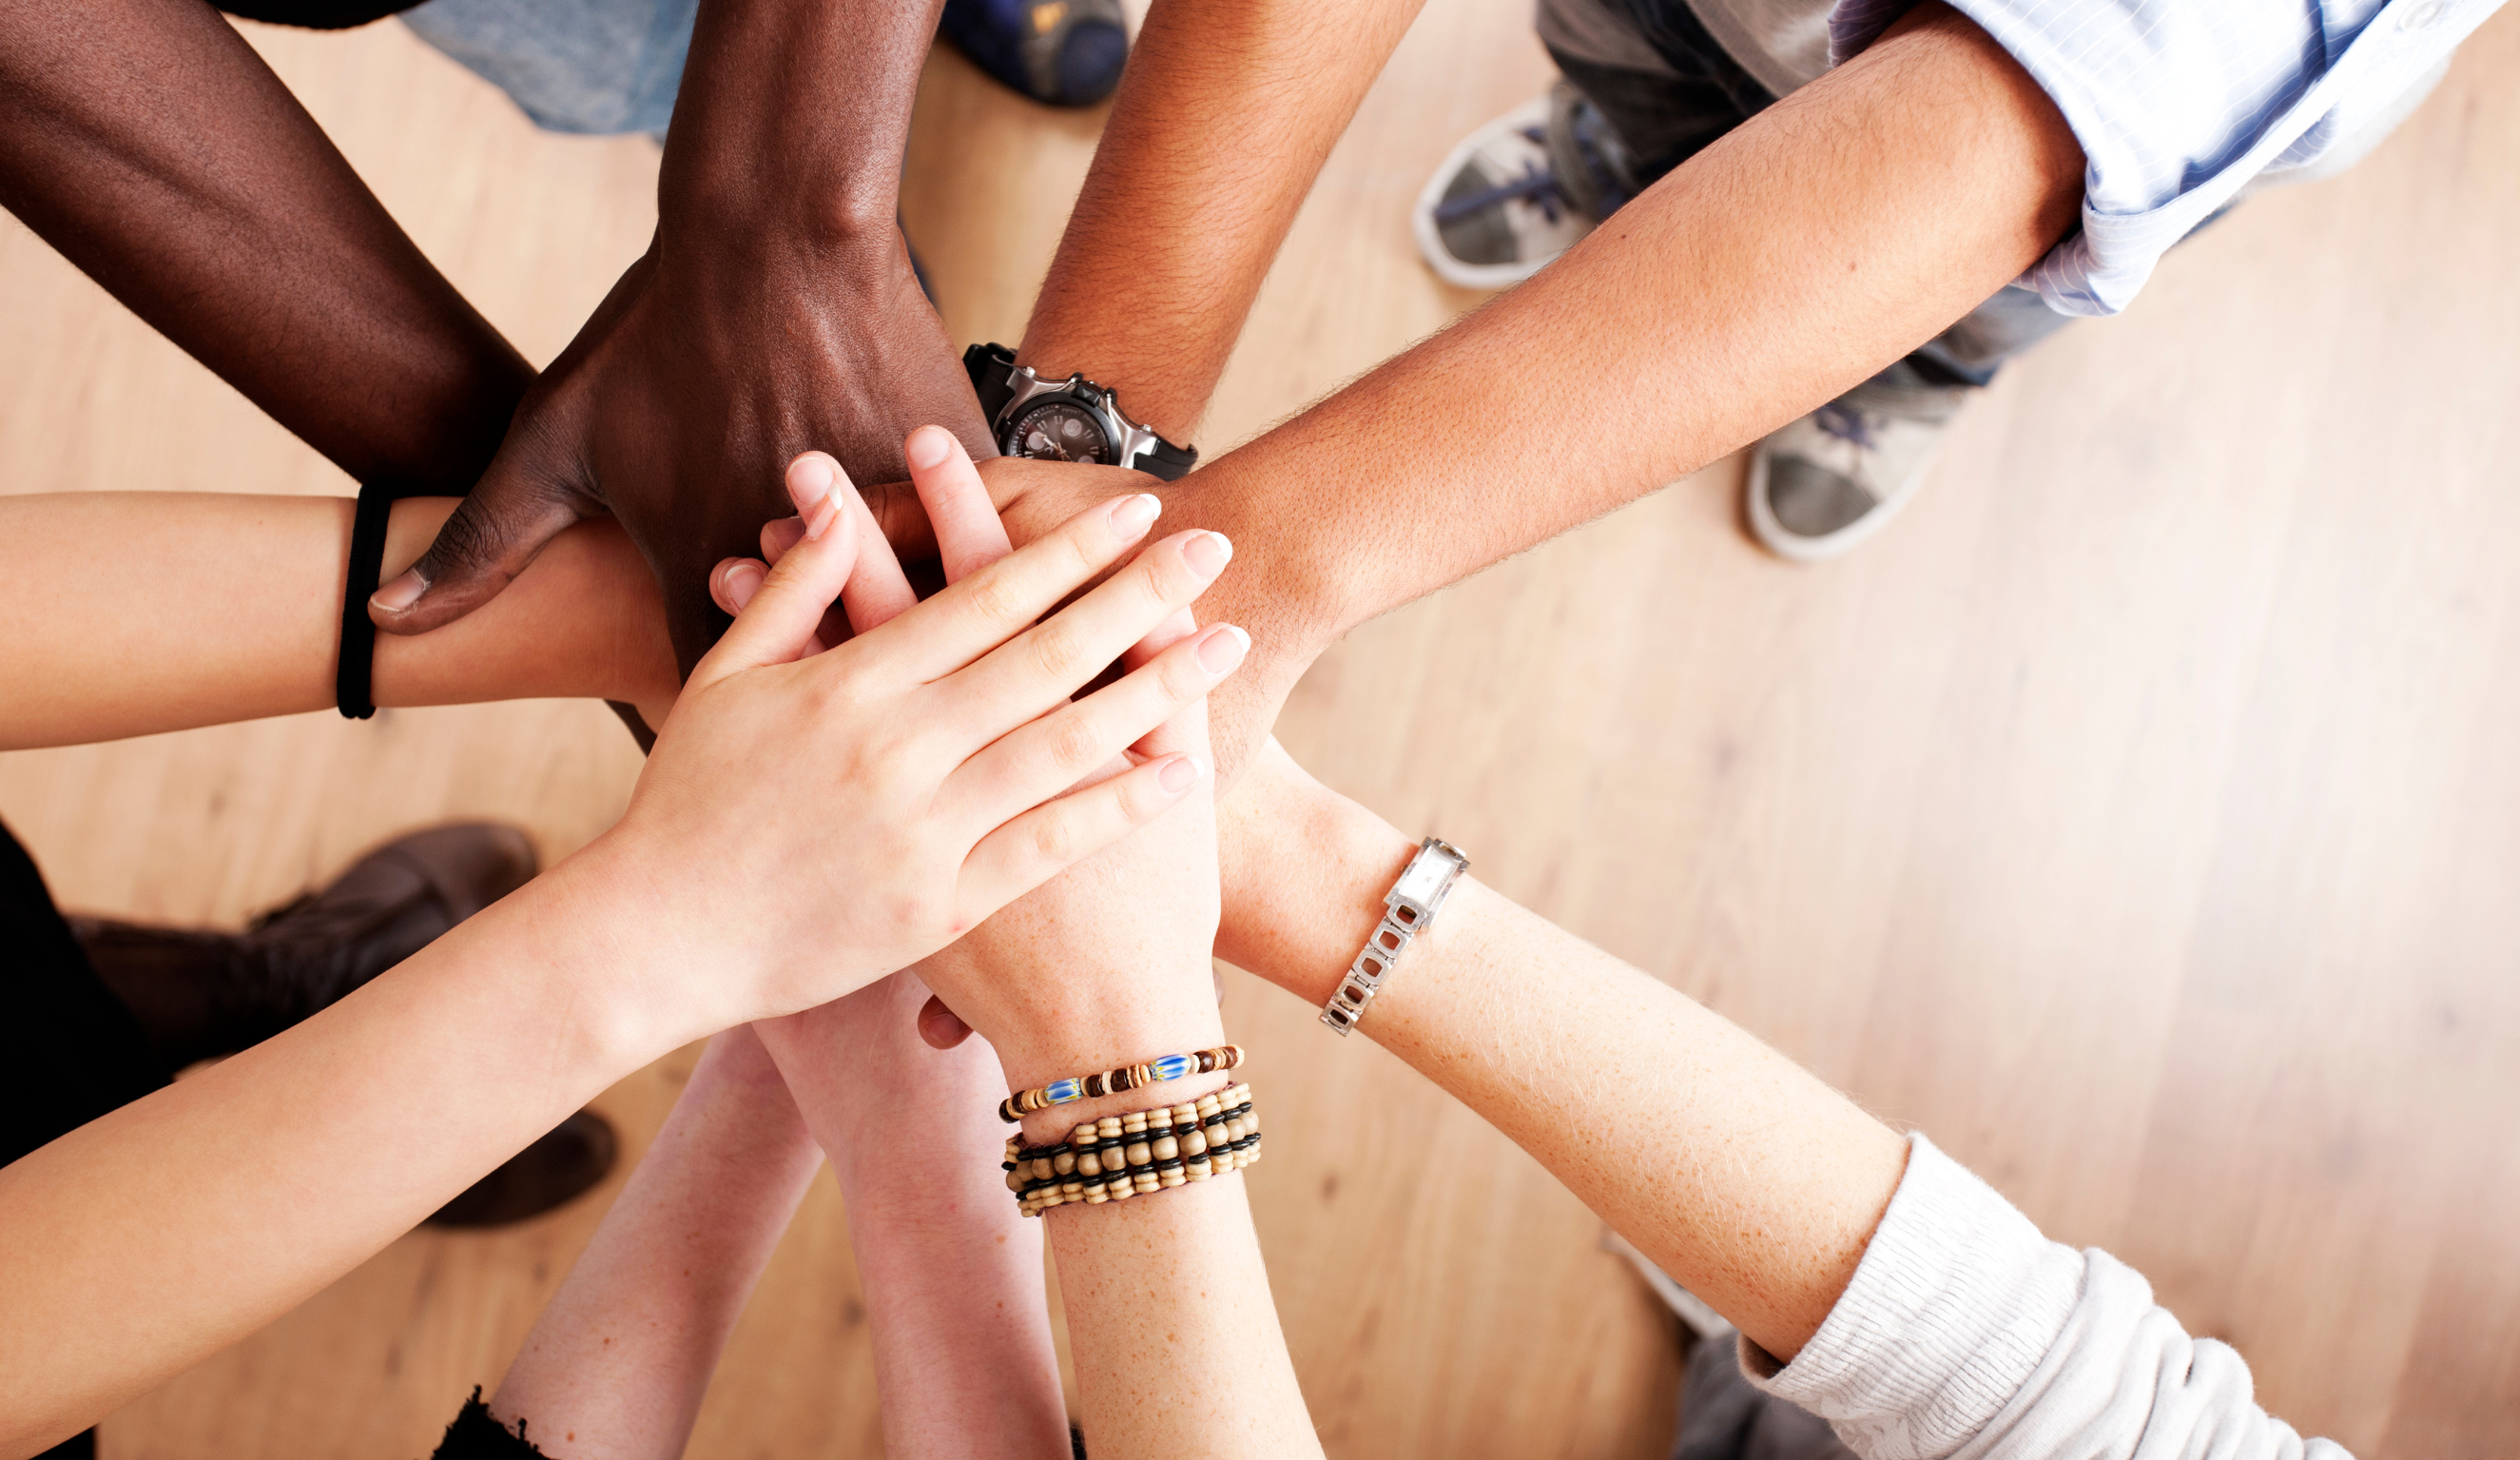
(1058, 430)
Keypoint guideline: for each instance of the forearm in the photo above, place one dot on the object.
(150, 145)
(1739, 1173)
(792, 121)
(953, 1276)
(1813, 245)
(133, 612)
(620, 1359)
(1176, 1338)
(1228, 110)
(151, 1237)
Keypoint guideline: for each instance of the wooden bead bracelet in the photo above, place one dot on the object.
(1119, 1156)
(1113, 1081)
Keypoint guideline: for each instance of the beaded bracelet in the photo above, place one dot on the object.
(1408, 910)
(1113, 1081)
(1119, 1156)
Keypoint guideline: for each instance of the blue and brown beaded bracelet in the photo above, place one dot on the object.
(1113, 1081)
(1120, 1157)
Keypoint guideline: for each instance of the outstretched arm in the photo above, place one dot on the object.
(775, 311)
(1819, 240)
(1223, 118)
(955, 1289)
(132, 613)
(916, 768)
(150, 145)
(1882, 1285)
(618, 1362)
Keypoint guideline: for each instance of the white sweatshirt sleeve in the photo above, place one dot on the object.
(1967, 1334)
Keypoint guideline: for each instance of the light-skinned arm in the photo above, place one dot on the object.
(953, 1276)
(1813, 245)
(1227, 112)
(240, 617)
(918, 767)
(620, 1359)
(1741, 1174)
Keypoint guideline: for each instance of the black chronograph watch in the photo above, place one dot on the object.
(1069, 420)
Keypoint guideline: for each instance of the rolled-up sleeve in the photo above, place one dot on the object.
(1967, 1334)
(2178, 105)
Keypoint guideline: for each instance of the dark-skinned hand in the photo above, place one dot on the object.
(718, 357)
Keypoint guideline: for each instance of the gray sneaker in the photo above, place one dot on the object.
(1522, 189)
(1824, 483)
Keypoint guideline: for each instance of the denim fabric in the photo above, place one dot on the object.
(574, 66)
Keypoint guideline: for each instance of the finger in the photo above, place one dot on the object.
(779, 620)
(941, 1027)
(1050, 661)
(984, 611)
(1048, 840)
(969, 534)
(780, 534)
(492, 537)
(1064, 747)
(877, 592)
(734, 582)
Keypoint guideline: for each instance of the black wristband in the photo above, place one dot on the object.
(352, 676)
(1168, 462)
(988, 365)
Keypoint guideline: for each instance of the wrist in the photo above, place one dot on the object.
(609, 919)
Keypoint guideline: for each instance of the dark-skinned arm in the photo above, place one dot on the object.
(775, 310)
(148, 142)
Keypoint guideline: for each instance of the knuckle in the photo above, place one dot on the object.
(1053, 650)
(993, 598)
(1054, 840)
(1075, 746)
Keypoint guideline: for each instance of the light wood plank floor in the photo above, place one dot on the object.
(2138, 816)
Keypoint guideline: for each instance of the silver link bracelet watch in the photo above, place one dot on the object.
(1406, 911)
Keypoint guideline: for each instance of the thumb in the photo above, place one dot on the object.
(501, 525)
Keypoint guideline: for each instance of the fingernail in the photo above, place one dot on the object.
(743, 580)
(401, 593)
(1133, 514)
(1207, 554)
(810, 479)
(1223, 648)
(819, 519)
(929, 447)
(1179, 774)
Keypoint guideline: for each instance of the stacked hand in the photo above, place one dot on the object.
(1109, 961)
(716, 358)
(812, 820)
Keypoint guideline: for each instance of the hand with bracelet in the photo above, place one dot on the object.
(1108, 967)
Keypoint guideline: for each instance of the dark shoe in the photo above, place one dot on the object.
(200, 993)
(561, 1166)
(1063, 53)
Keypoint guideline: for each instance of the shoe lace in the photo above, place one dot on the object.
(1538, 186)
(1845, 422)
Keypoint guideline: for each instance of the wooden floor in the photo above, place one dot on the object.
(2140, 816)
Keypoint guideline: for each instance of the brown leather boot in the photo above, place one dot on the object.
(198, 993)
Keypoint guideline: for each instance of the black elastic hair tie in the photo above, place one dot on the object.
(353, 679)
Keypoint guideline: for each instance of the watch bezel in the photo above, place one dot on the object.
(1075, 393)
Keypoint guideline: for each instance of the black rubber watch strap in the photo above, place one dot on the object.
(991, 368)
(1168, 462)
(354, 668)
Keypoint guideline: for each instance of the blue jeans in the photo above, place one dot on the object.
(574, 66)
(1667, 119)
